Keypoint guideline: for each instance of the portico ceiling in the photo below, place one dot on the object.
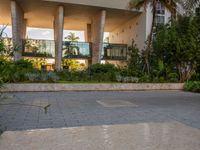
(41, 14)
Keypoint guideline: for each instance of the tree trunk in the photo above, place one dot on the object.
(149, 40)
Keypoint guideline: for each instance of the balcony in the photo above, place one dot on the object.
(76, 50)
(46, 49)
(114, 51)
(71, 50)
(39, 48)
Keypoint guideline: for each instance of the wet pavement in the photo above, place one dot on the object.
(151, 120)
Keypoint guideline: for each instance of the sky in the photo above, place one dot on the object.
(46, 34)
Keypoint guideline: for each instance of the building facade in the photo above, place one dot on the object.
(94, 17)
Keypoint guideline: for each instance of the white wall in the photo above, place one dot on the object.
(135, 29)
(167, 16)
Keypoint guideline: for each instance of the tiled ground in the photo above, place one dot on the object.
(74, 109)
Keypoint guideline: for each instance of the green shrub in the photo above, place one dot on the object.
(145, 79)
(195, 77)
(33, 76)
(102, 68)
(66, 75)
(14, 71)
(24, 64)
(135, 61)
(173, 77)
(193, 86)
(42, 77)
(52, 77)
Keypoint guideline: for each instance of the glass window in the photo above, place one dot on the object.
(114, 51)
(160, 14)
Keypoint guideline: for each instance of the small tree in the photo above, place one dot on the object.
(135, 60)
(178, 45)
(170, 5)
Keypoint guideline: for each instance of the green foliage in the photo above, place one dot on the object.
(38, 62)
(177, 47)
(1, 83)
(102, 72)
(135, 61)
(193, 86)
(42, 77)
(14, 71)
(67, 75)
(72, 65)
(2, 46)
(102, 68)
(96, 73)
(145, 79)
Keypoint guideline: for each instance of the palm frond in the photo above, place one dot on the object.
(189, 5)
(170, 5)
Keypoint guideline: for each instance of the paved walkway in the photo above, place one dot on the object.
(102, 120)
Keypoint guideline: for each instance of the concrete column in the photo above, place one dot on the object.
(98, 23)
(58, 36)
(18, 29)
(88, 33)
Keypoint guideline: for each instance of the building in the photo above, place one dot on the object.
(94, 17)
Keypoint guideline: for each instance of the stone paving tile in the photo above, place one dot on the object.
(71, 109)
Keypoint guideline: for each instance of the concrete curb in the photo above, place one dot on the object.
(44, 87)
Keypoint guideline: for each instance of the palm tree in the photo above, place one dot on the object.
(72, 37)
(169, 4)
(70, 47)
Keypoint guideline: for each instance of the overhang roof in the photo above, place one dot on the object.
(41, 14)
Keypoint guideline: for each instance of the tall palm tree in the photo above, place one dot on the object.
(169, 4)
(72, 37)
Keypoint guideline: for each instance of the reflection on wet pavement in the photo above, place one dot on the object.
(140, 136)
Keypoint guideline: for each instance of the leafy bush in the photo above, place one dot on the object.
(14, 71)
(33, 76)
(173, 77)
(86, 76)
(102, 68)
(67, 75)
(193, 86)
(38, 62)
(53, 77)
(177, 46)
(71, 65)
(135, 61)
(195, 76)
(145, 79)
